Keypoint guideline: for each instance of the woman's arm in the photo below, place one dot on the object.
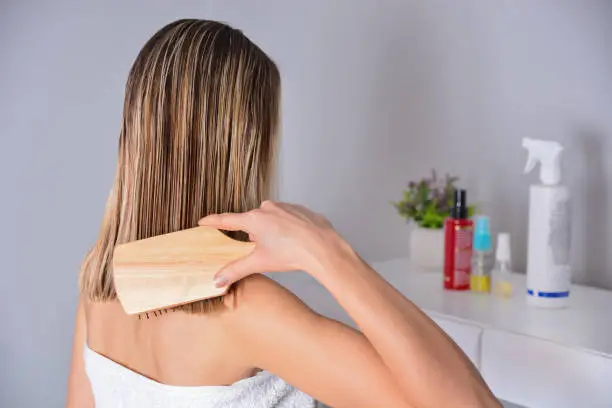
(272, 329)
(402, 354)
(428, 366)
(80, 394)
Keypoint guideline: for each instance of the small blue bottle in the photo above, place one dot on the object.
(482, 256)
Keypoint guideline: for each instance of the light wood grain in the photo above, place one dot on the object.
(173, 269)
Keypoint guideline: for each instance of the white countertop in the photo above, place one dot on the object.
(586, 324)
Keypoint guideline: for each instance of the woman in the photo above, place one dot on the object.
(197, 144)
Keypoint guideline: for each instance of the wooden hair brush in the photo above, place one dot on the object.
(173, 269)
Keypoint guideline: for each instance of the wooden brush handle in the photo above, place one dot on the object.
(173, 269)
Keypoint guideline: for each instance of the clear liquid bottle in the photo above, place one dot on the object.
(502, 271)
(482, 257)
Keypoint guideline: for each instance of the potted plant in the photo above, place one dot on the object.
(426, 204)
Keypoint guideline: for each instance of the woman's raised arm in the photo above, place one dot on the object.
(402, 355)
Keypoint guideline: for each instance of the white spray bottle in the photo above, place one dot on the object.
(548, 269)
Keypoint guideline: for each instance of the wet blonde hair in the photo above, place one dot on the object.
(198, 137)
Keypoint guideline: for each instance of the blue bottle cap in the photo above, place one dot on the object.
(482, 234)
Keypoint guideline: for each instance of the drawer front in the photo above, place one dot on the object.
(541, 374)
(466, 336)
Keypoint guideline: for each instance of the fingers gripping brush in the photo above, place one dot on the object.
(173, 269)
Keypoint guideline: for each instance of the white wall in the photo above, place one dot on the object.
(375, 93)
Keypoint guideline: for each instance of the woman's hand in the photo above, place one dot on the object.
(288, 237)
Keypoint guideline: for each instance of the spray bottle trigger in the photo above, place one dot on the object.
(531, 163)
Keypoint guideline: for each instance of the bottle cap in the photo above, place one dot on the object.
(503, 247)
(460, 210)
(482, 234)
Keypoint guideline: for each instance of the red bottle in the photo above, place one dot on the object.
(458, 231)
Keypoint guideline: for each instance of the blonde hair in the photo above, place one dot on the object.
(198, 137)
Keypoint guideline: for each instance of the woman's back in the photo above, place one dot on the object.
(173, 348)
(175, 359)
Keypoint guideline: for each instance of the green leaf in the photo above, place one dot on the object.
(428, 202)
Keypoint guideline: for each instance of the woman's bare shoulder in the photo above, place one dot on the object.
(259, 314)
(258, 294)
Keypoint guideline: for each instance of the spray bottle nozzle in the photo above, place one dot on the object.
(548, 154)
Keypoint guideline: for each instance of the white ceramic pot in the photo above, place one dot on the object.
(427, 248)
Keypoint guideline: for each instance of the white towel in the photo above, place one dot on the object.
(116, 386)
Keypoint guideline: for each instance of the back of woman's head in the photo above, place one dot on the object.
(198, 137)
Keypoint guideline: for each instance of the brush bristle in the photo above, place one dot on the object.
(156, 313)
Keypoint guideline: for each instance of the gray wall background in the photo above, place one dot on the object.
(375, 93)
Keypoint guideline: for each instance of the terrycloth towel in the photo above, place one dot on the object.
(116, 386)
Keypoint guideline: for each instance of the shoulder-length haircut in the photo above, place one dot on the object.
(198, 137)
